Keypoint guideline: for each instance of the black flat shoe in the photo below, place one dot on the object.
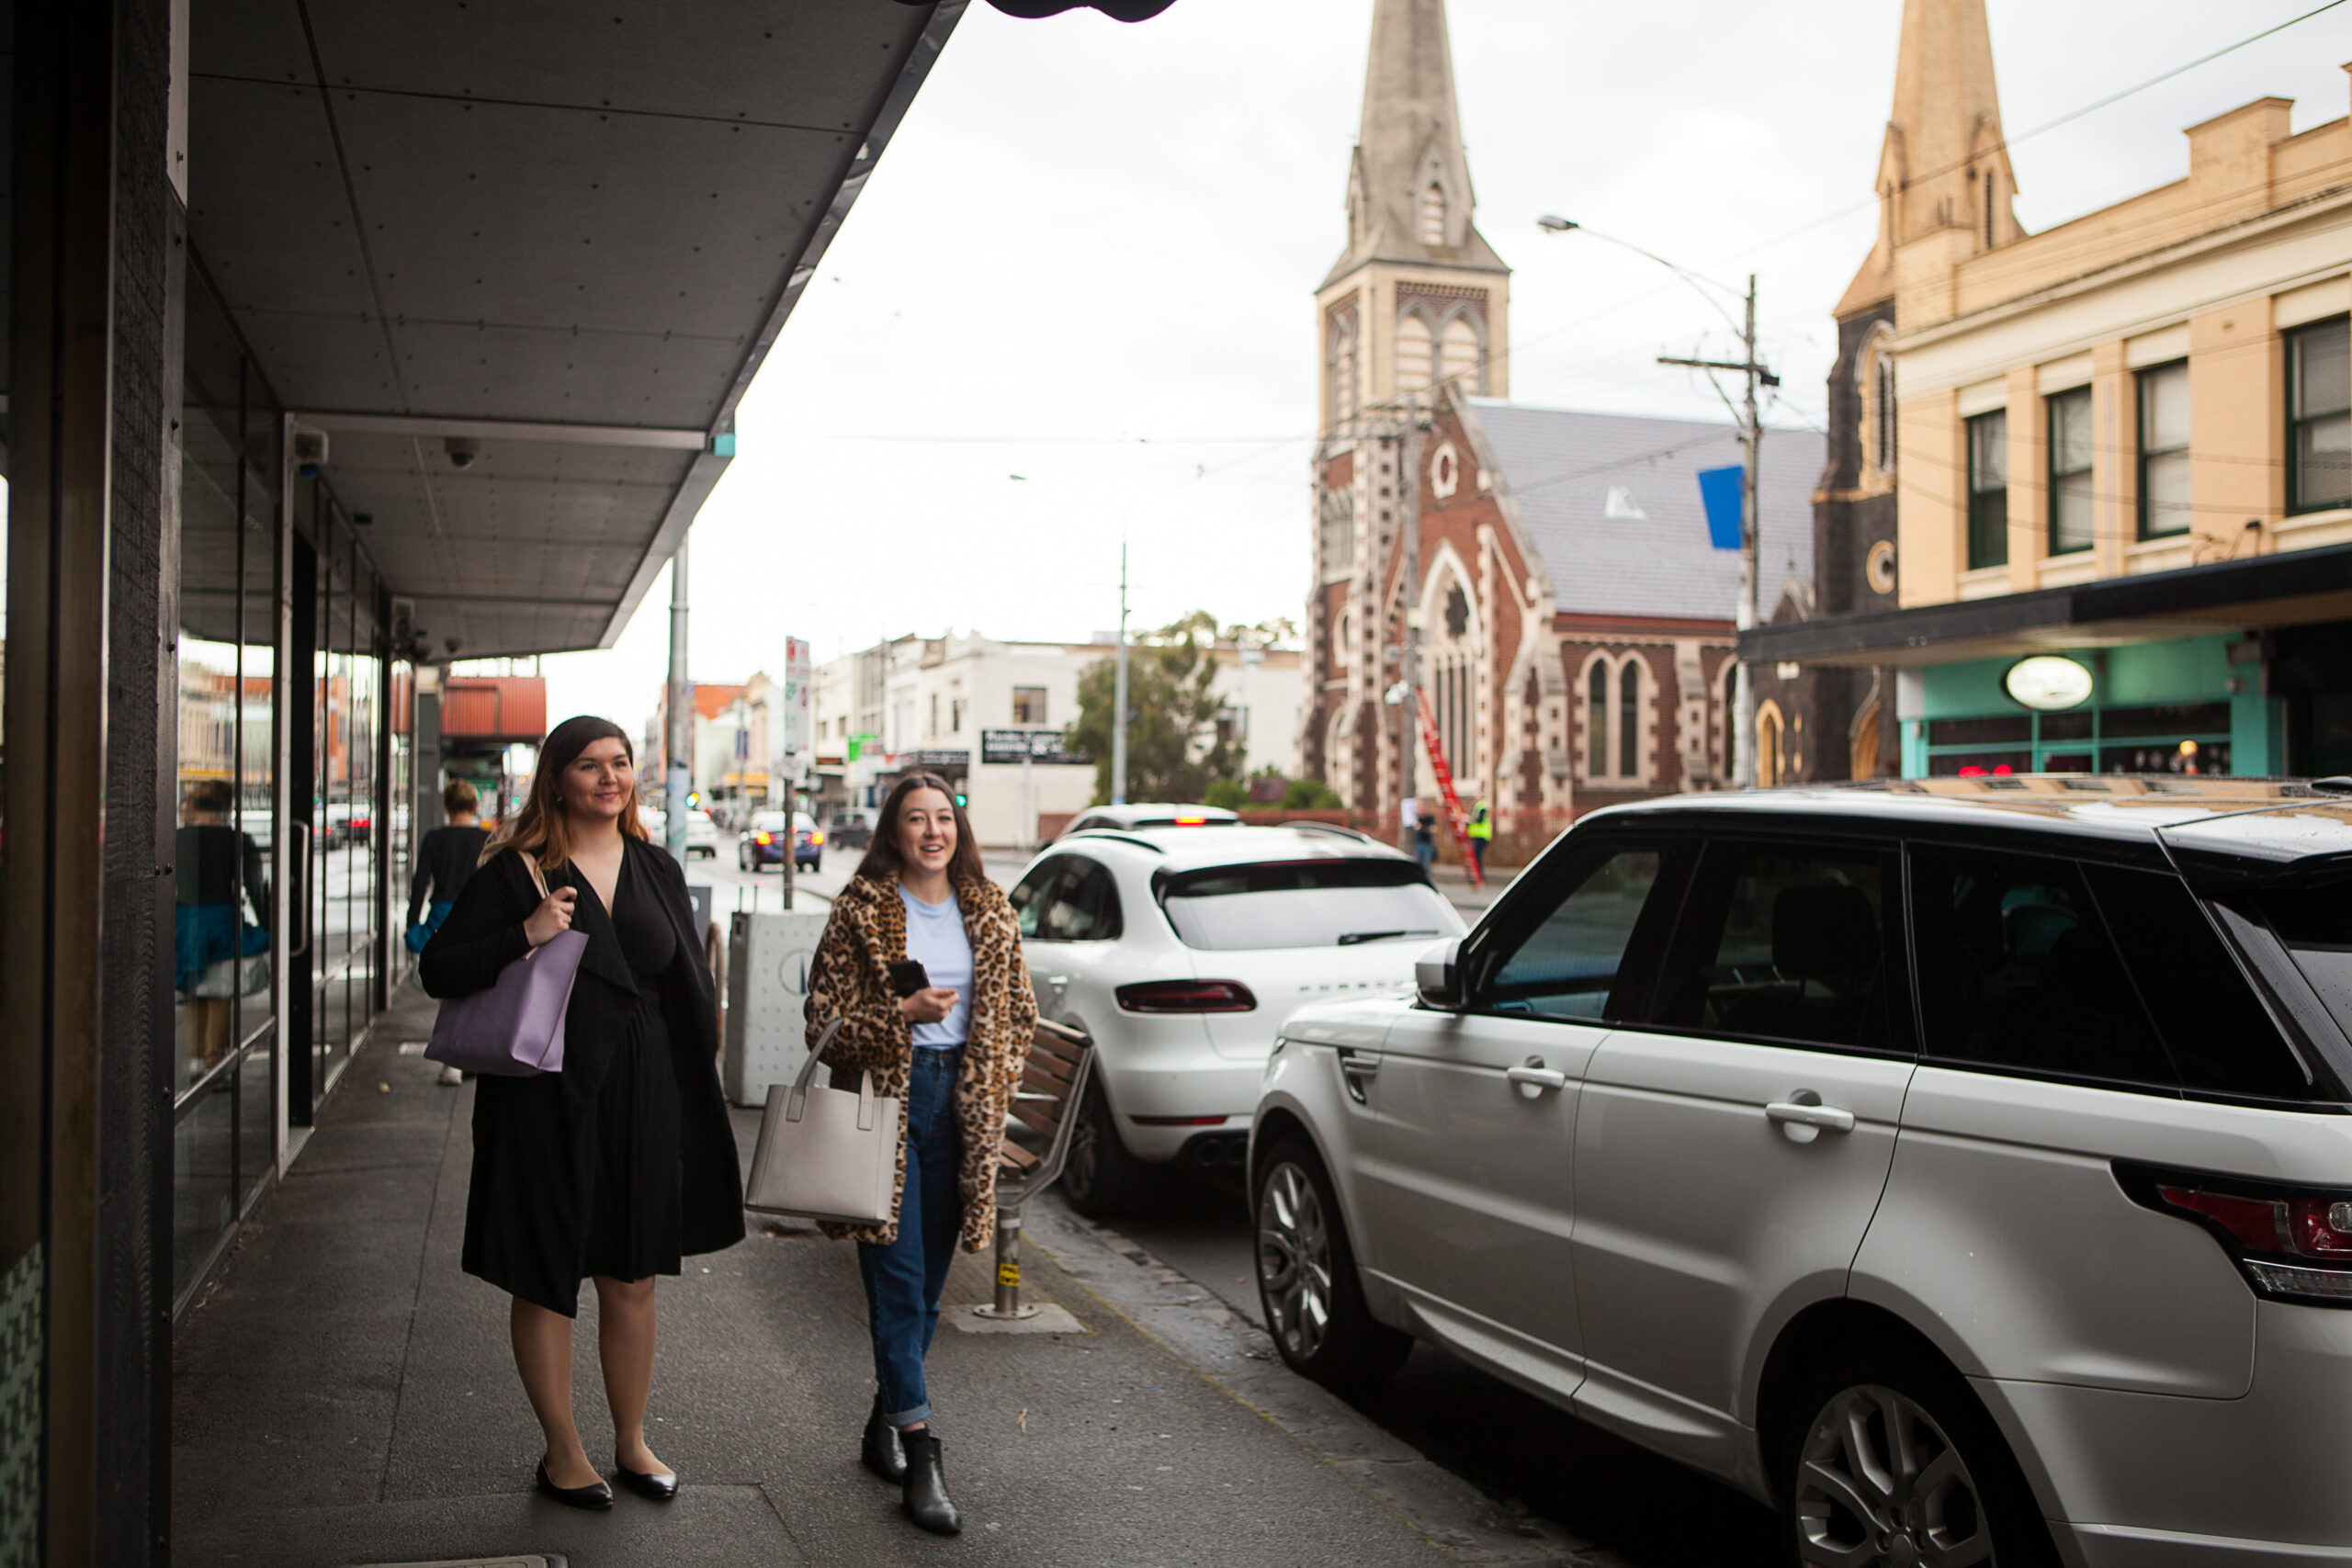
(925, 1498)
(881, 1452)
(595, 1497)
(659, 1484)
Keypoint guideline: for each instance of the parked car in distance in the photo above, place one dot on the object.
(1961, 1168)
(762, 842)
(852, 829)
(1181, 951)
(1151, 814)
(702, 833)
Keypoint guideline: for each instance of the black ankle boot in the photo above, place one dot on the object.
(925, 1499)
(881, 1453)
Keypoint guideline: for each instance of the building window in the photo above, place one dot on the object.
(1341, 365)
(2164, 451)
(1596, 722)
(1767, 745)
(2073, 504)
(1883, 411)
(1629, 719)
(955, 716)
(1464, 360)
(1028, 705)
(1432, 214)
(1415, 350)
(2319, 417)
(1988, 489)
(932, 728)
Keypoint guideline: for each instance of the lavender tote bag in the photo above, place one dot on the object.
(514, 1030)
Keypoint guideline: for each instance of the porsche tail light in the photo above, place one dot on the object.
(2292, 1243)
(1187, 996)
(760, 839)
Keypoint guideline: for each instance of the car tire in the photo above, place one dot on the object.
(816, 865)
(1309, 1294)
(1844, 1496)
(1100, 1177)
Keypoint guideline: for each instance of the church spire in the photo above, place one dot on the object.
(1408, 185)
(1944, 165)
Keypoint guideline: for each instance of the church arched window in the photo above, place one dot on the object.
(1463, 356)
(1432, 214)
(1595, 720)
(1629, 718)
(1416, 350)
(1875, 379)
(1341, 366)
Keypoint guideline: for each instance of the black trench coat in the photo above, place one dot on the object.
(535, 1147)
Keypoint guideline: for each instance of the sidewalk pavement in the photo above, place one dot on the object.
(343, 1394)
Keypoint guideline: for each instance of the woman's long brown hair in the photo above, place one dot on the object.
(883, 862)
(537, 829)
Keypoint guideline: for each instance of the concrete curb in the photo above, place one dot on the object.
(1234, 1356)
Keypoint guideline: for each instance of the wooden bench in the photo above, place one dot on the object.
(1047, 1101)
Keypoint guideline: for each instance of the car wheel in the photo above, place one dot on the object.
(817, 865)
(1309, 1290)
(1889, 1459)
(1100, 1177)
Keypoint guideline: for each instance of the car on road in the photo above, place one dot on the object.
(1961, 1167)
(702, 833)
(761, 843)
(1181, 951)
(1151, 814)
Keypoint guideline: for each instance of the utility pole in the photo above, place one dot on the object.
(1408, 634)
(1751, 438)
(680, 709)
(1119, 695)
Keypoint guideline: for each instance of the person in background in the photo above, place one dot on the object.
(220, 872)
(445, 863)
(1482, 833)
(1424, 836)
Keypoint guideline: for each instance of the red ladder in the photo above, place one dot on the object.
(1456, 824)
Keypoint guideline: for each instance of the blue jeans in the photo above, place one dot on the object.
(904, 1278)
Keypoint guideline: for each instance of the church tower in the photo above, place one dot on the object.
(1417, 299)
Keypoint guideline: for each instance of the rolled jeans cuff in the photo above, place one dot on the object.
(921, 1412)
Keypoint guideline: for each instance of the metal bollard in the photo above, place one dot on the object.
(1007, 1307)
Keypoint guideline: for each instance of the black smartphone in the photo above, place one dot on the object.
(908, 977)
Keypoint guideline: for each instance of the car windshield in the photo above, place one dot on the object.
(768, 823)
(1319, 903)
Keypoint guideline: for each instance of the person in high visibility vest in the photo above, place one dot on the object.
(1482, 833)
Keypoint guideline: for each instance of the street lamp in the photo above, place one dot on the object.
(1751, 436)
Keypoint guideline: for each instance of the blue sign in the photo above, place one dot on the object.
(1719, 488)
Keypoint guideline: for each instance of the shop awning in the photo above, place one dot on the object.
(567, 236)
(2293, 587)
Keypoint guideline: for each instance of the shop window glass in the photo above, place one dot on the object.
(2073, 502)
(1988, 489)
(1784, 943)
(2319, 416)
(2164, 451)
(2018, 971)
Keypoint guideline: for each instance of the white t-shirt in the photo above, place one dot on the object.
(937, 941)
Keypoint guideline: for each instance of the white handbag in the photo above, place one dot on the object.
(825, 1154)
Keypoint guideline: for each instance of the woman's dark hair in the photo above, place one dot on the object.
(539, 829)
(883, 862)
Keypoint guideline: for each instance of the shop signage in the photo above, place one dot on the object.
(2047, 681)
(1043, 747)
(933, 761)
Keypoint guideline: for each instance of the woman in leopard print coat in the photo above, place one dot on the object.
(950, 1053)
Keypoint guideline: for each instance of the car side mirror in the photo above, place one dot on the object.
(1438, 976)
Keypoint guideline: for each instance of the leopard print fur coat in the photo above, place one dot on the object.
(849, 979)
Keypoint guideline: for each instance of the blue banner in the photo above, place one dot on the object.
(1719, 488)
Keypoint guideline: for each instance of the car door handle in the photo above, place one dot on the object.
(1357, 1069)
(1535, 1077)
(1795, 1116)
(1060, 983)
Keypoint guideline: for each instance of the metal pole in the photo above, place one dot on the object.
(1408, 481)
(1743, 674)
(1119, 695)
(679, 740)
(1007, 1307)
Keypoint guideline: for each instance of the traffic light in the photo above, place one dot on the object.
(960, 800)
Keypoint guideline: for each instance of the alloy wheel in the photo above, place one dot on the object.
(1880, 1485)
(1295, 1260)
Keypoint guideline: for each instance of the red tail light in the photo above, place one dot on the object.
(2292, 1243)
(1191, 821)
(760, 838)
(1187, 996)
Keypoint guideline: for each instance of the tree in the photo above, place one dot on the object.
(1173, 748)
(1311, 795)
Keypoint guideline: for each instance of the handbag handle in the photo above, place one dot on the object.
(799, 1096)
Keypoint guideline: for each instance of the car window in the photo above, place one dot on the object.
(1083, 905)
(1340, 902)
(2221, 1038)
(1028, 896)
(1785, 943)
(1570, 964)
(2018, 970)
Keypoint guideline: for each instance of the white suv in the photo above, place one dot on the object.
(1961, 1167)
(1181, 949)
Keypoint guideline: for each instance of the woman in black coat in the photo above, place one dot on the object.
(623, 1163)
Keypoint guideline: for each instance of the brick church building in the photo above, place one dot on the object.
(1573, 625)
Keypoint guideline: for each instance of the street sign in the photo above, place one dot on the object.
(798, 678)
(1043, 747)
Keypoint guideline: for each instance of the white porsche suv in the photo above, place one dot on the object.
(1181, 949)
(1963, 1167)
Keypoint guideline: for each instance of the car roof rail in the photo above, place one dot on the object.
(1355, 833)
(1114, 833)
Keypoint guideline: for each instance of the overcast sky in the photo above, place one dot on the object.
(1088, 259)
